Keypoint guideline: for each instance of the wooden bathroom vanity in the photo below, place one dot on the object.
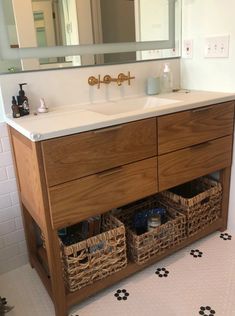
(67, 179)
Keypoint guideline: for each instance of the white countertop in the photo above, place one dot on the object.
(71, 119)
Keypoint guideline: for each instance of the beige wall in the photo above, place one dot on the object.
(118, 25)
(25, 30)
(46, 8)
(85, 28)
(118, 21)
(8, 12)
(152, 20)
(10, 22)
(203, 19)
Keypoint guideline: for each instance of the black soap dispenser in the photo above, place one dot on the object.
(15, 108)
(22, 100)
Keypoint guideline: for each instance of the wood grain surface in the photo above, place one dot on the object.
(187, 164)
(72, 157)
(77, 200)
(183, 129)
(28, 176)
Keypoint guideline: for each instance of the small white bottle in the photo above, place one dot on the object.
(166, 79)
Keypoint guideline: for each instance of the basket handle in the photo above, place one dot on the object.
(205, 200)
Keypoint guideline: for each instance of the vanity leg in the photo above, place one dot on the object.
(53, 254)
(52, 244)
(225, 181)
(55, 270)
(29, 234)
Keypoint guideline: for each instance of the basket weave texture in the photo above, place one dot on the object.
(141, 248)
(200, 200)
(95, 258)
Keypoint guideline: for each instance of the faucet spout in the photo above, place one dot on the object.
(119, 82)
(108, 79)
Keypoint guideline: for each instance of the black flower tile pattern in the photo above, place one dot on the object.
(3, 300)
(206, 311)
(196, 253)
(162, 272)
(4, 308)
(225, 236)
(121, 295)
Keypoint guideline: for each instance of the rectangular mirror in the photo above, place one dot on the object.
(42, 34)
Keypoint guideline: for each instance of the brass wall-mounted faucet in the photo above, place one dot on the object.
(108, 79)
(93, 81)
(122, 77)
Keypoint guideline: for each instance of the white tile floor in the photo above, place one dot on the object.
(203, 284)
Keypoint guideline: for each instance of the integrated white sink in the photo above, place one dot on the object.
(131, 105)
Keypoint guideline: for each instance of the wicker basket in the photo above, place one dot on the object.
(142, 248)
(199, 200)
(95, 258)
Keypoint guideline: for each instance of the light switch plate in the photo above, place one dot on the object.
(187, 49)
(217, 47)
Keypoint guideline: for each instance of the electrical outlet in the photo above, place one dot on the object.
(187, 49)
(217, 47)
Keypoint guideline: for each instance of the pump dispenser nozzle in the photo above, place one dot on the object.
(21, 85)
(21, 92)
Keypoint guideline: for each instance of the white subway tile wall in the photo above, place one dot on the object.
(13, 251)
(3, 174)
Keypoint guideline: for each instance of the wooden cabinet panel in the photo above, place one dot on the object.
(79, 199)
(190, 163)
(72, 157)
(27, 169)
(180, 130)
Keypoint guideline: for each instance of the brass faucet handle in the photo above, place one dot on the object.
(93, 81)
(122, 77)
(107, 79)
(129, 78)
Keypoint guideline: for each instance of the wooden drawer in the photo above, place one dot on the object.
(79, 199)
(184, 129)
(190, 163)
(72, 157)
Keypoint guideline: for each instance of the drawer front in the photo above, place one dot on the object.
(190, 163)
(184, 129)
(72, 157)
(79, 199)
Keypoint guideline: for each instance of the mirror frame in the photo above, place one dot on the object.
(8, 53)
